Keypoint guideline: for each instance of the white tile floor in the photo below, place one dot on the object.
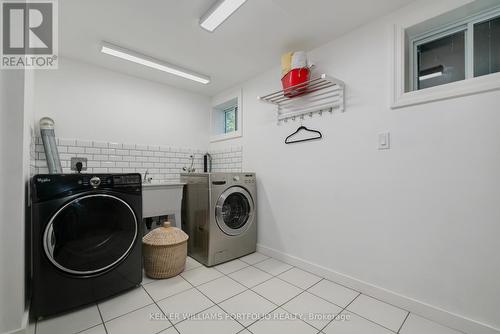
(255, 294)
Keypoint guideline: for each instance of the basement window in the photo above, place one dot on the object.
(440, 60)
(487, 47)
(226, 116)
(230, 116)
(454, 54)
(468, 49)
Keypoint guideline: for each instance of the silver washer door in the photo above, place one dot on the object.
(90, 234)
(235, 211)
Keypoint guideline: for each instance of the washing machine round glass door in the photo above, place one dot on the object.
(90, 234)
(234, 211)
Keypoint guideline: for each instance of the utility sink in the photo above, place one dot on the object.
(162, 199)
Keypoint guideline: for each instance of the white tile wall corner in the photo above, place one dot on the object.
(227, 160)
(163, 163)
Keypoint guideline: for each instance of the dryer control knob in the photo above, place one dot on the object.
(236, 178)
(95, 181)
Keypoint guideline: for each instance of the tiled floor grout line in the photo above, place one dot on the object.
(247, 265)
(373, 322)
(326, 300)
(303, 291)
(345, 308)
(251, 289)
(322, 278)
(294, 266)
(278, 306)
(128, 312)
(281, 307)
(274, 274)
(401, 327)
(161, 310)
(359, 293)
(217, 304)
(102, 319)
(246, 289)
(232, 272)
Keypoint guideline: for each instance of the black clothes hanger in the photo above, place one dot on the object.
(318, 135)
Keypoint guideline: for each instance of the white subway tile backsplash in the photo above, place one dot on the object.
(100, 157)
(108, 164)
(91, 164)
(135, 152)
(87, 156)
(163, 163)
(136, 164)
(100, 144)
(83, 143)
(122, 152)
(40, 163)
(165, 149)
(153, 148)
(65, 156)
(75, 149)
(66, 142)
(115, 158)
(108, 151)
(92, 150)
(114, 145)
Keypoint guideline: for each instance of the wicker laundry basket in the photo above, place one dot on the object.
(165, 251)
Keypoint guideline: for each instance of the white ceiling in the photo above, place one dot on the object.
(248, 43)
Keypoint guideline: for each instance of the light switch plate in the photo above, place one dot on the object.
(384, 141)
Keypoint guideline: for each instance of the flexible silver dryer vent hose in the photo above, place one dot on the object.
(50, 145)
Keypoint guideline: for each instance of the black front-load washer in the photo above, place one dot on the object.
(86, 238)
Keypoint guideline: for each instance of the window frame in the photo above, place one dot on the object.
(226, 112)
(215, 132)
(416, 42)
(404, 60)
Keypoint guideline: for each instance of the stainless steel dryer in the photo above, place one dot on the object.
(219, 215)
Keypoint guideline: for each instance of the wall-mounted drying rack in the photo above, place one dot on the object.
(323, 94)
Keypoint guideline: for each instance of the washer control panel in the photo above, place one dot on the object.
(249, 179)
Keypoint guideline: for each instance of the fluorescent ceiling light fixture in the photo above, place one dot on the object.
(430, 73)
(141, 59)
(219, 13)
(430, 76)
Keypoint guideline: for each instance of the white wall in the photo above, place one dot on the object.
(89, 102)
(421, 219)
(14, 174)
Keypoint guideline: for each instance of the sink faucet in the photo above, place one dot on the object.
(190, 169)
(146, 178)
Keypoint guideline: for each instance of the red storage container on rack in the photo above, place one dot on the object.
(293, 78)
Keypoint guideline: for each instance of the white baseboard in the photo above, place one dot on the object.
(425, 310)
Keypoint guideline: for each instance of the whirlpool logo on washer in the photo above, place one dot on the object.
(29, 33)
